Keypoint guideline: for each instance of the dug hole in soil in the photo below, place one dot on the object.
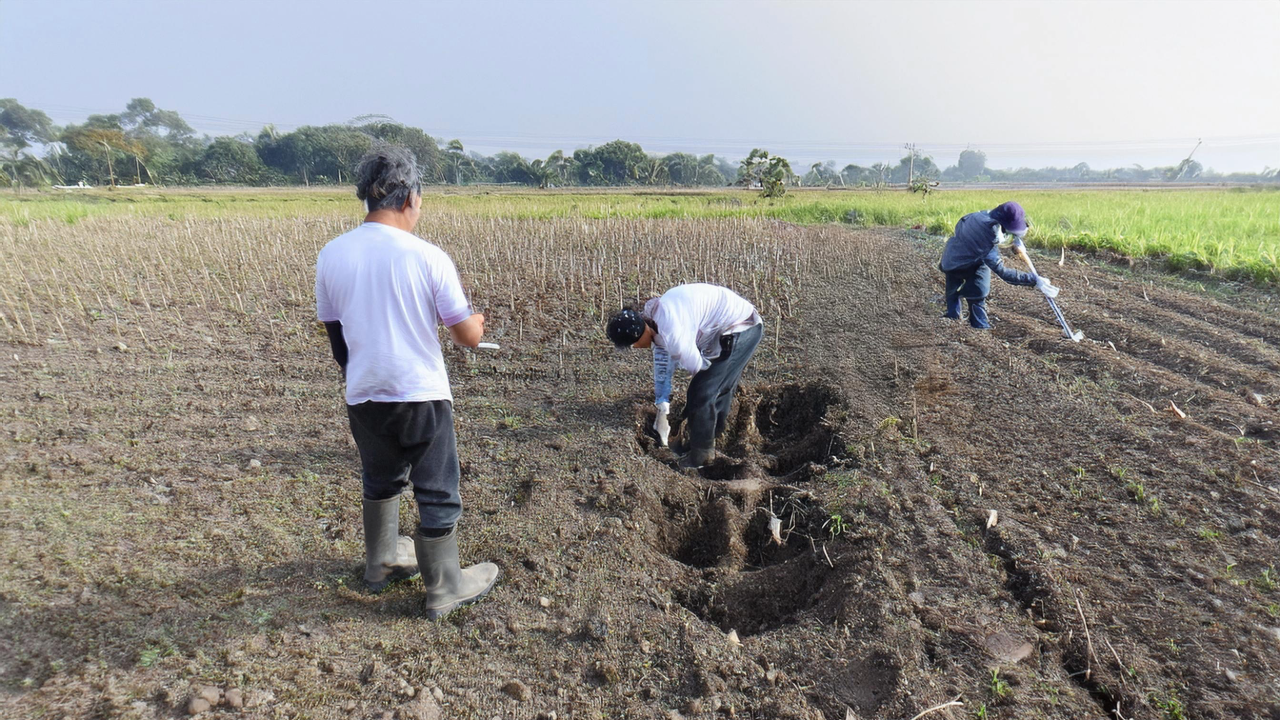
(750, 522)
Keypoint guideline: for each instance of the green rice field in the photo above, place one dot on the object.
(1233, 233)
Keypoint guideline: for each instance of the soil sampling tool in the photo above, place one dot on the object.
(1075, 336)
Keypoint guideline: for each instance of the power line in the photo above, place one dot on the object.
(824, 145)
(527, 141)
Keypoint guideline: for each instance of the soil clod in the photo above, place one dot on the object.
(234, 698)
(517, 690)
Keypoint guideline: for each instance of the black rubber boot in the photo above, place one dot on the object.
(388, 555)
(447, 584)
(697, 457)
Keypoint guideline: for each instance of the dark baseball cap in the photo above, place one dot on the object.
(625, 328)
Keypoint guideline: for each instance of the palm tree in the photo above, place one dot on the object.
(22, 170)
(456, 157)
(560, 165)
(822, 173)
(651, 171)
(540, 174)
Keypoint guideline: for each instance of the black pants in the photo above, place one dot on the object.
(410, 442)
(711, 391)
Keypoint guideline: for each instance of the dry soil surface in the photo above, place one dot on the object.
(905, 512)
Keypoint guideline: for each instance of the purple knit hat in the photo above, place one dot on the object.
(1011, 218)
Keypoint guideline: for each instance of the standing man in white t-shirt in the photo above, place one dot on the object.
(711, 332)
(381, 292)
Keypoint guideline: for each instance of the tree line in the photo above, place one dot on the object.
(144, 144)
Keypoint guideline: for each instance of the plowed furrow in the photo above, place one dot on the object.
(1248, 323)
(1196, 362)
(1224, 415)
(1248, 350)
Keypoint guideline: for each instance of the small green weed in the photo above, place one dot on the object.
(846, 480)
(1171, 706)
(1074, 484)
(1139, 493)
(1267, 580)
(999, 688)
(1209, 535)
(154, 652)
(835, 525)
(1137, 490)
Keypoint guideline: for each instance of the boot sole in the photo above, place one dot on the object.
(382, 585)
(684, 464)
(437, 613)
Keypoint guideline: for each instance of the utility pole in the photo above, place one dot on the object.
(110, 172)
(911, 162)
(1186, 162)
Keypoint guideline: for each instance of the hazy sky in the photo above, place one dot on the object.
(1031, 83)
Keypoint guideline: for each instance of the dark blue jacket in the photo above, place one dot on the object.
(974, 244)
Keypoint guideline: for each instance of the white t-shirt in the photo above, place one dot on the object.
(390, 289)
(692, 318)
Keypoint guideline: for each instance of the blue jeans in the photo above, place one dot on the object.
(711, 391)
(663, 369)
(973, 285)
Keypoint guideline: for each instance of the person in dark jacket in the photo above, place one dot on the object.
(973, 253)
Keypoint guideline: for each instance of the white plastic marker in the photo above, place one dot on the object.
(487, 346)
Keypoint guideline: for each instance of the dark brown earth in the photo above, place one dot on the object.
(186, 515)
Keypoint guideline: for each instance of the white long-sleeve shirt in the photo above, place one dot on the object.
(692, 318)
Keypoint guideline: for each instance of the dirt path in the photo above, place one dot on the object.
(187, 518)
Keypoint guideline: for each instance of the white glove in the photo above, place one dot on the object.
(1043, 285)
(660, 423)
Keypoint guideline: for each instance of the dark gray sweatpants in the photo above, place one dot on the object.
(410, 442)
(711, 391)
